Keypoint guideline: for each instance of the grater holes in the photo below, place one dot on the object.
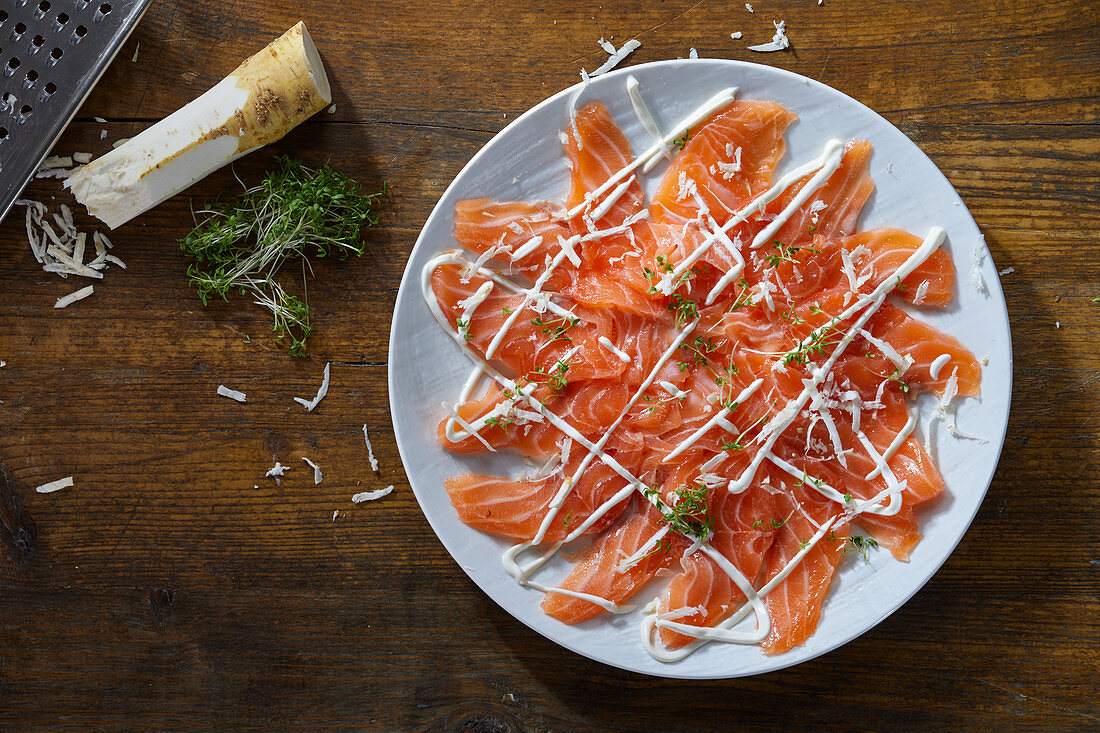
(30, 79)
(55, 56)
(103, 11)
(18, 31)
(79, 33)
(12, 65)
(49, 90)
(41, 10)
(3, 15)
(24, 112)
(62, 19)
(36, 43)
(8, 101)
(3, 134)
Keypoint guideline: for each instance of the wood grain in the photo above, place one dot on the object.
(176, 586)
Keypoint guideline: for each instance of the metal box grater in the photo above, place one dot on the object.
(52, 53)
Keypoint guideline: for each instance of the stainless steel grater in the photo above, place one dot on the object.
(52, 53)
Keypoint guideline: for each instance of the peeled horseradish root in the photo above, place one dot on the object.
(261, 101)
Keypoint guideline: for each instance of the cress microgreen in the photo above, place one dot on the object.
(293, 212)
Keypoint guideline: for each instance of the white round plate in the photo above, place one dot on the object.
(525, 162)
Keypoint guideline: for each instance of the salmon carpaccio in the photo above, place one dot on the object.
(713, 387)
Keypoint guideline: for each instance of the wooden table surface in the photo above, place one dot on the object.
(165, 590)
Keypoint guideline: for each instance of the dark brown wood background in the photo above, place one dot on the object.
(164, 590)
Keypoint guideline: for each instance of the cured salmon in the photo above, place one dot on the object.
(715, 399)
(614, 567)
(703, 593)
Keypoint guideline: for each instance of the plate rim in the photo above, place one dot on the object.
(995, 292)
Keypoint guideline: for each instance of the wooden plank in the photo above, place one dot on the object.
(314, 657)
(411, 62)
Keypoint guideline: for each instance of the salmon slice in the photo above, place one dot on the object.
(878, 252)
(536, 342)
(910, 466)
(795, 604)
(897, 533)
(596, 150)
(730, 160)
(605, 290)
(471, 410)
(587, 406)
(815, 267)
(832, 210)
(698, 412)
(506, 227)
(515, 509)
(602, 571)
(644, 341)
(705, 592)
(727, 162)
(924, 344)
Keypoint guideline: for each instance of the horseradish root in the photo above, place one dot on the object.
(261, 101)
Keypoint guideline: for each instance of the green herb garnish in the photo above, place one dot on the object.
(689, 515)
(685, 310)
(861, 545)
(895, 376)
(823, 336)
(555, 328)
(294, 211)
(557, 381)
(697, 352)
(743, 298)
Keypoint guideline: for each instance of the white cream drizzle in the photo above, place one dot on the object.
(830, 159)
(611, 199)
(608, 344)
(715, 420)
(906, 431)
(937, 365)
